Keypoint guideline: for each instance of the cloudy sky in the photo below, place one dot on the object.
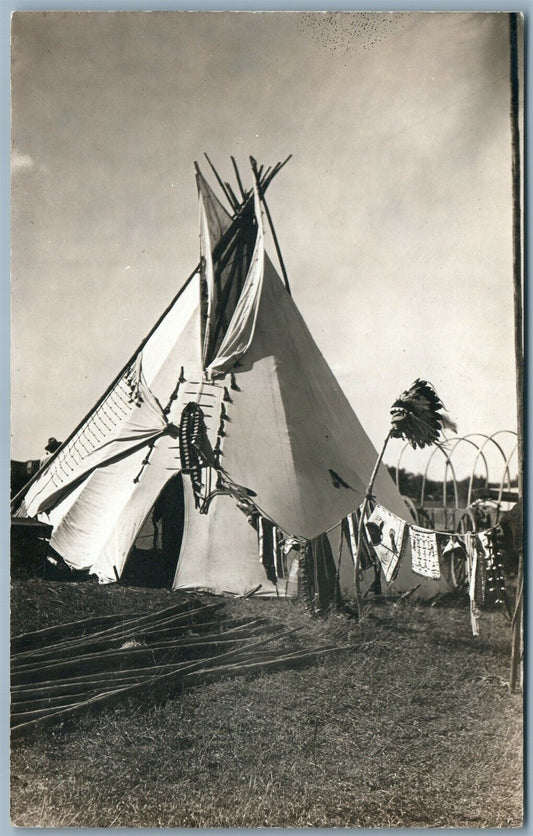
(394, 215)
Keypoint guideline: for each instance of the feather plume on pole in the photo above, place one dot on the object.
(418, 417)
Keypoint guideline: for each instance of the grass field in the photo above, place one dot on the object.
(413, 725)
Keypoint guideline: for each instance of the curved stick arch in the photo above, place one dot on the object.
(440, 447)
(458, 440)
(447, 448)
(402, 451)
(506, 460)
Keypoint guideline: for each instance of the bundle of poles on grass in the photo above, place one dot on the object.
(68, 670)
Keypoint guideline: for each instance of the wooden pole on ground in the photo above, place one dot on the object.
(172, 678)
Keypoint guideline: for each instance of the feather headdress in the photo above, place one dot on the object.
(417, 415)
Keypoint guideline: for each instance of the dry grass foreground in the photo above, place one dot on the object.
(412, 726)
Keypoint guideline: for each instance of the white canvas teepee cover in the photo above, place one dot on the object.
(285, 432)
(293, 437)
(96, 522)
(219, 552)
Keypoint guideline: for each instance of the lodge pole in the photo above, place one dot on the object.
(518, 293)
(220, 182)
(360, 525)
(271, 225)
(238, 176)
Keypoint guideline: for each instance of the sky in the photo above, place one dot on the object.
(393, 215)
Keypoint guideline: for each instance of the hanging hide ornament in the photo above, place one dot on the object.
(193, 446)
(375, 532)
(388, 534)
(242, 496)
(454, 547)
(492, 552)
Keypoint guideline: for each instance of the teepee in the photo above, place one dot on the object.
(230, 390)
